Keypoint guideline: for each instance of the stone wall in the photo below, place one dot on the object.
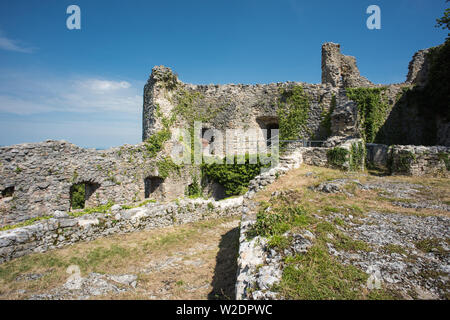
(409, 160)
(419, 160)
(36, 178)
(63, 230)
(340, 70)
(233, 106)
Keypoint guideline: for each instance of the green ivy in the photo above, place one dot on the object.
(403, 161)
(166, 167)
(233, 177)
(25, 223)
(372, 109)
(156, 141)
(438, 94)
(337, 157)
(194, 190)
(77, 196)
(105, 208)
(169, 81)
(293, 113)
(357, 155)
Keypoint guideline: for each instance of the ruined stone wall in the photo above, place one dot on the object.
(63, 230)
(230, 106)
(409, 160)
(340, 70)
(36, 178)
(419, 160)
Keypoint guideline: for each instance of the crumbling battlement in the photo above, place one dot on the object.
(340, 70)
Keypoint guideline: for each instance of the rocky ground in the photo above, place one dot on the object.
(393, 229)
(344, 236)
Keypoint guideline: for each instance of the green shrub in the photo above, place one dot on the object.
(156, 141)
(233, 177)
(445, 157)
(105, 208)
(25, 223)
(278, 222)
(77, 196)
(336, 157)
(166, 166)
(194, 189)
(357, 155)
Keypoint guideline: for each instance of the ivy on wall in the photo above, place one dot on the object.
(352, 159)
(372, 109)
(413, 119)
(337, 157)
(357, 156)
(233, 177)
(293, 113)
(156, 141)
(166, 166)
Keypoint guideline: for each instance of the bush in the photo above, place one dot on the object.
(77, 196)
(336, 157)
(233, 177)
(276, 223)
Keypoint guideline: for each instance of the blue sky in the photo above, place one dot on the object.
(85, 86)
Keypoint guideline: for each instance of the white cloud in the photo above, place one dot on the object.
(25, 95)
(105, 85)
(12, 45)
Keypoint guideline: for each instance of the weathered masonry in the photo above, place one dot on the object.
(38, 178)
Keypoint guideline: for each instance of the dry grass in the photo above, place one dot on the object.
(196, 247)
(435, 189)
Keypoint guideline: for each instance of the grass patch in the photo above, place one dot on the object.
(393, 248)
(100, 209)
(430, 245)
(143, 203)
(24, 223)
(317, 276)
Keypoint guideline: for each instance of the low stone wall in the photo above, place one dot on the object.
(36, 178)
(409, 160)
(315, 156)
(419, 160)
(63, 230)
(258, 268)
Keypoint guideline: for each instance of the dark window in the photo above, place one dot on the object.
(80, 193)
(7, 192)
(151, 185)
